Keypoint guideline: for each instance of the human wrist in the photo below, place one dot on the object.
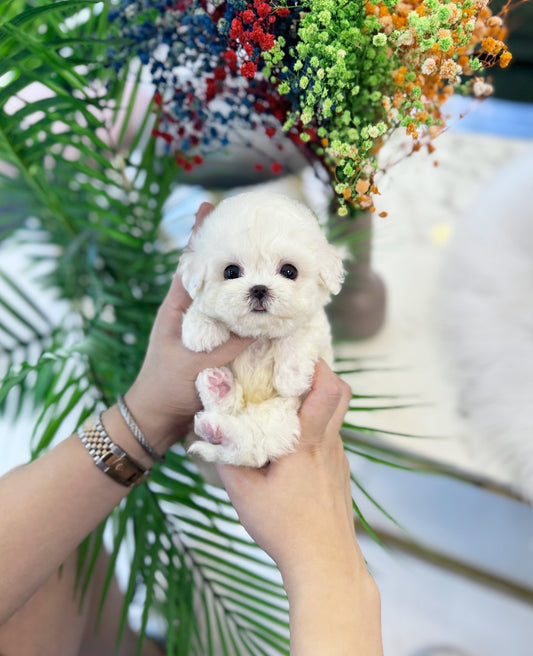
(161, 427)
(119, 433)
(318, 564)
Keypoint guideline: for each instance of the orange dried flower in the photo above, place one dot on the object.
(491, 45)
(505, 59)
(399, 75)
(411, 129)
(495, 21)
(362, 186)
(364, 201)
(398, 99)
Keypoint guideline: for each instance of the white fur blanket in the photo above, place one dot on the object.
(487, 302)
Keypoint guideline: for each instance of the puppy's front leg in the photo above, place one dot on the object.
(201, 333)
(294, 367)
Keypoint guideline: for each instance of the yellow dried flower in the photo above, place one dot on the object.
(505, 59)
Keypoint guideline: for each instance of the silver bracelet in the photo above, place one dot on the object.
(136, 431)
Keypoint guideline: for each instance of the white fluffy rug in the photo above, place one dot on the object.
(487, 303)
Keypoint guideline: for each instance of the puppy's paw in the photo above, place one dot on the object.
(206, 451)
(294, 377)
(214, 387)
(207, 427)
(200, 333)
(214, 445)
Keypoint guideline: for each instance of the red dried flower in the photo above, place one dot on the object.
(249, 69)
(219, 73)
(248, 16)
(236, 29)
(230, 57)
(266, 41)
(263, 9)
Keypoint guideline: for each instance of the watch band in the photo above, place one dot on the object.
(109, 457)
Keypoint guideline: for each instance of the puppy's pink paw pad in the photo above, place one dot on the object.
(218, 384)
(211, 433)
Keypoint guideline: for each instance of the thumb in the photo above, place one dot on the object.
(325, 401)
(228, 351)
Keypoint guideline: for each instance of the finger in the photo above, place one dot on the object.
(337, 418)
(321, 403)
(238, 481)
(228, 351)
(174, 305)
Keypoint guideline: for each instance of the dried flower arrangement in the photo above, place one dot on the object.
(334, 77)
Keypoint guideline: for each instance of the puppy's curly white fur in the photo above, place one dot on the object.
(259, 266)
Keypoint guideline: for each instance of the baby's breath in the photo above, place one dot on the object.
(337, 76)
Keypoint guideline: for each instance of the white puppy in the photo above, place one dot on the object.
(261, 267)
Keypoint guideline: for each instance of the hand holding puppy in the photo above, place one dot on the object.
(163, 396)
(301, 505)
(299, 510)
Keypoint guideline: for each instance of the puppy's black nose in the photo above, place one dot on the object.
(259, 292)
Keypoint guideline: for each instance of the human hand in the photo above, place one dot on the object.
(163, 398)
(299, 508)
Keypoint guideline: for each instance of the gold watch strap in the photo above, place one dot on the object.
(109, 457)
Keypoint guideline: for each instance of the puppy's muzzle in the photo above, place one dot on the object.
(259, 298)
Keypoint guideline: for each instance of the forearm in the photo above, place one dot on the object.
(49, 507)
(334, 609)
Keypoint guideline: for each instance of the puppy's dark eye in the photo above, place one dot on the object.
(289, 271)
(232, 271)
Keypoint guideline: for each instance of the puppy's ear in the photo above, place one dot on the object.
(331, 271)
(192, 272)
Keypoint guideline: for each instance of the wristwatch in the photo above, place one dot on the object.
(109, 457)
